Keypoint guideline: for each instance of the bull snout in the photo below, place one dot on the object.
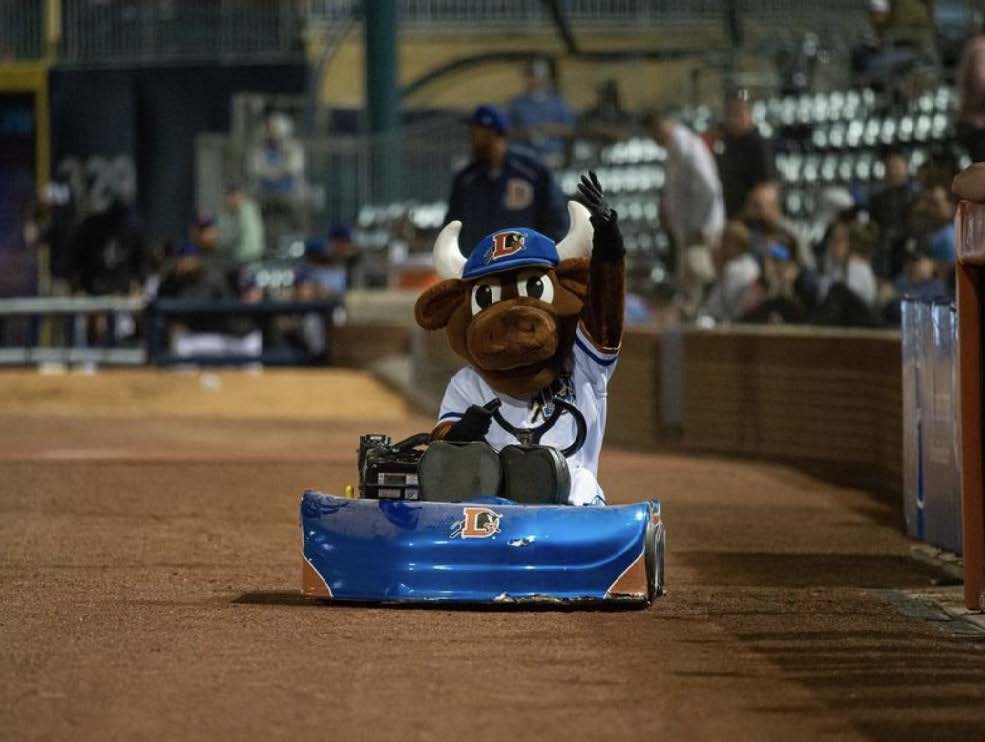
(507, 337)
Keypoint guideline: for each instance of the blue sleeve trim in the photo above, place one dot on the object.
(588, 351)
(450, 416)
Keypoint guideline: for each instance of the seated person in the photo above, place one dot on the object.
(327, 267)
(535, 321)
(195, 335)
(847, 289)
(740, 270)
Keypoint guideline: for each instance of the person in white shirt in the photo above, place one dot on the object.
(729, 298)
(846, 257)
(692, 208)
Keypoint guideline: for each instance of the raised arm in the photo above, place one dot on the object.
(605, 303)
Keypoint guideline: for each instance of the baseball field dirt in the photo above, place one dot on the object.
(149, 574)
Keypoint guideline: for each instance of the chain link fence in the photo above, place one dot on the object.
(20, 29)
(136, 31)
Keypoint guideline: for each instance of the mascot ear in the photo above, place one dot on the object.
(436, 305)
(572, 273)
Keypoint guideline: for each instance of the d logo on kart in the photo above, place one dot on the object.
(476, 523)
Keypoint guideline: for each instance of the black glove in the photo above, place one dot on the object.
(474, 423)
(607, 243)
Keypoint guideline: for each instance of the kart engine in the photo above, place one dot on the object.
(389, 471)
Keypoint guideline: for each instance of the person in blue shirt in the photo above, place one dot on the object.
(503, 186)
(540, 116)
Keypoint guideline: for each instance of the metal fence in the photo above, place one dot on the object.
(137, 331)
(20, 29)
(135, 31)
(513, 12)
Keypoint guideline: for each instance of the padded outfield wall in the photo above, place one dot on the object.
(828, 401)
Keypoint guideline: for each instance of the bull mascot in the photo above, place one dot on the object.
(536, 321)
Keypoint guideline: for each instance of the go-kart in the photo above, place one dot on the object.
(463, 523)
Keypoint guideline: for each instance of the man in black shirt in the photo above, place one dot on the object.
(503, 186)
(745, 159)
(890, 209)
(108, 252)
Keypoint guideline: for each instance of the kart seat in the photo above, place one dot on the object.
(450, 472)
(535, 475)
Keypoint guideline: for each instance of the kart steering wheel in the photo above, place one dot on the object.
(532, 436)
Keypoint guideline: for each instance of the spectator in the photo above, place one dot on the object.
(277, 172)
(847, 287)
(250, 292)
(932, 213)
(193, 336)
(607, 120)
(971, 95)
(277, 162)
(774, 297)
(344, 251)
(321, 273)
(324, 273)
(764, 217)
(745, 159)
(108, 252)
(240, 228)
(889, 208)
(540, 116)
(205, 235)
(190, 277)
(740, 271)
(691, 206)
(503, 187)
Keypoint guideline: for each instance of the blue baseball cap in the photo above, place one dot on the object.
(490, 117)
(315, 246)
(187, 249)
(942, 244)
(507, 249)
(777, 251)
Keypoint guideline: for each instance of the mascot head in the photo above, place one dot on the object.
(511, 310)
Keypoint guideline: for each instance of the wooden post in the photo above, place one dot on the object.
(970, 239)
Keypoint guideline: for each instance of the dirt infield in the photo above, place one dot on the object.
(148, 590)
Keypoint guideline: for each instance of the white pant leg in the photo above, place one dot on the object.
(585, 489)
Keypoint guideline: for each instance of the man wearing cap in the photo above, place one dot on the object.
(503, 186)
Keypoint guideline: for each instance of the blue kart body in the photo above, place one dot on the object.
(486, 550)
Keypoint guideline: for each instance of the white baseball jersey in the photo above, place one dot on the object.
(583, 383)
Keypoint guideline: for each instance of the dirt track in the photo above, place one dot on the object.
(148, 590)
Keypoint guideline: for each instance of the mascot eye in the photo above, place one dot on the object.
(535, 286)
(484, 295)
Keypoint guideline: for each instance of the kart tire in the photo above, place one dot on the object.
(653, 557)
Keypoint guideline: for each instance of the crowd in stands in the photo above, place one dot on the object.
(738, 252)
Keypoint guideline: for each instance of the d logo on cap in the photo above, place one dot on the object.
(506, 244)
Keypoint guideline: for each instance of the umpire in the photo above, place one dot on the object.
(503, 186)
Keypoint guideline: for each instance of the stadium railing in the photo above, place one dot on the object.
(58, 330)
(39, 330)
(161, 312)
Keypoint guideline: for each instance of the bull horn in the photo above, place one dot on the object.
(448, 259)
(578, 242)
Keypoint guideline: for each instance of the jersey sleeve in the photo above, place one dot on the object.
(596, 362)
(458, 398)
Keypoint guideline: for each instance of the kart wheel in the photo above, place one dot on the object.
(653, 555)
